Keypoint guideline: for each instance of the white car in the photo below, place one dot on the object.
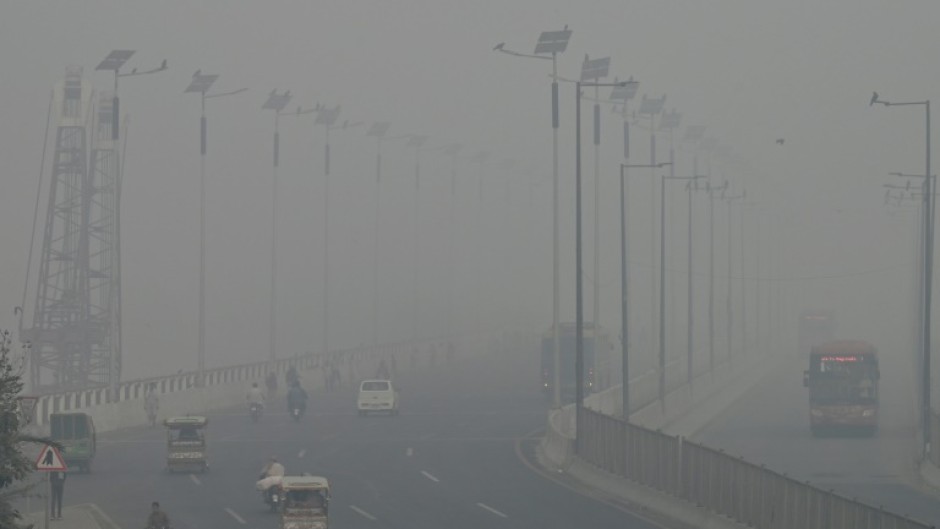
(377, 396)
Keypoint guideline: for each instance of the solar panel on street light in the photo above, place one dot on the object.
(416, 141)
(694, 132)
(277, 101)
(378, 129)
(652, 105)
(594, 69)
(553, 41)
(623, 92)
(670, 120)
(327, 116)
(201, 82)
(115, 60)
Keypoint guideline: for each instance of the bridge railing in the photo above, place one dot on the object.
(724, 484)
(136, 389)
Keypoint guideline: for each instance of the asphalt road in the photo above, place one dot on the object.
(770, 425)
(451, 459)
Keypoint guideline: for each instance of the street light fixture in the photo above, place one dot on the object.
(552, 43)
(275, 102)
(927, 267)
(579, 273)
(113, 62)
(624, 304)
(200, 84)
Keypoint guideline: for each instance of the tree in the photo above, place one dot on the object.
(14, 464)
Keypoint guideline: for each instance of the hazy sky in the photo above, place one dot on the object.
(750, 71)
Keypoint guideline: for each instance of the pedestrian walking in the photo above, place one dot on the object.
(151, 405)
(57, 479)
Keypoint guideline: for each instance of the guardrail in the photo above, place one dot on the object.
(136, 389)
(726, 485)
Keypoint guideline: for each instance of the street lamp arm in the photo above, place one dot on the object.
(225, 94)
(135, 73)
(501, 49)
(647, 166)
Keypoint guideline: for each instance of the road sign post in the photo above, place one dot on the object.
(49, 460)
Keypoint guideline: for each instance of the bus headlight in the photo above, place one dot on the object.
(816, 413)
(868, 413)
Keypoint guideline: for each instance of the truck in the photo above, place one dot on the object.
(597, 360)
(816, 327)
(843, 380)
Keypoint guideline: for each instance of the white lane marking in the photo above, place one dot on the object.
(362, 513)
(429, 476)
(410, 451)
(492, 510)
(302, 453)
(235, 515)
(195, 479)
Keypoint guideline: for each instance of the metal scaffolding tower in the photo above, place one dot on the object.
(76, 327)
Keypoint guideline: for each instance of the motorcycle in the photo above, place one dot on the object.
(254, 410)
(296, 413)
(272, 497)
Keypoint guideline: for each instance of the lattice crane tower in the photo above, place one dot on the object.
(76, 327)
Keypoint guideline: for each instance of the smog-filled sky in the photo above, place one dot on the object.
(752, 73)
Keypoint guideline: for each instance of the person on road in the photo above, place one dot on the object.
(57, 480)
(151, 405)
(157, 519)
(291, 376)
(271, 383)
(296, 398)
(255, 395)
(382, 371)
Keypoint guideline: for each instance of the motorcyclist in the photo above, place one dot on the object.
(270, 469)
(296, 398)
(255, 395)
(157, 518)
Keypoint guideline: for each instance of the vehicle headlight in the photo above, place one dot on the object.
(868, 413)
(816, 413)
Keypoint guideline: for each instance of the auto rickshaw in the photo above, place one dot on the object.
(186, 444)
(76, 433)
(306, 502)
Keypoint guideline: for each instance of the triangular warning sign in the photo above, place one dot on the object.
(50, 460)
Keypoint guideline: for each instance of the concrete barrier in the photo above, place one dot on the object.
(181, 394)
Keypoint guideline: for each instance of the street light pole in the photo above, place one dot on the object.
(579, 297)
(200, 84)
(624, 304)
(662, 279)
(928, 207)
(327, 117)
(728, 307)
(552, 42)
(652, 106)
(275, 102)
(594, 70)
(416, 142)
